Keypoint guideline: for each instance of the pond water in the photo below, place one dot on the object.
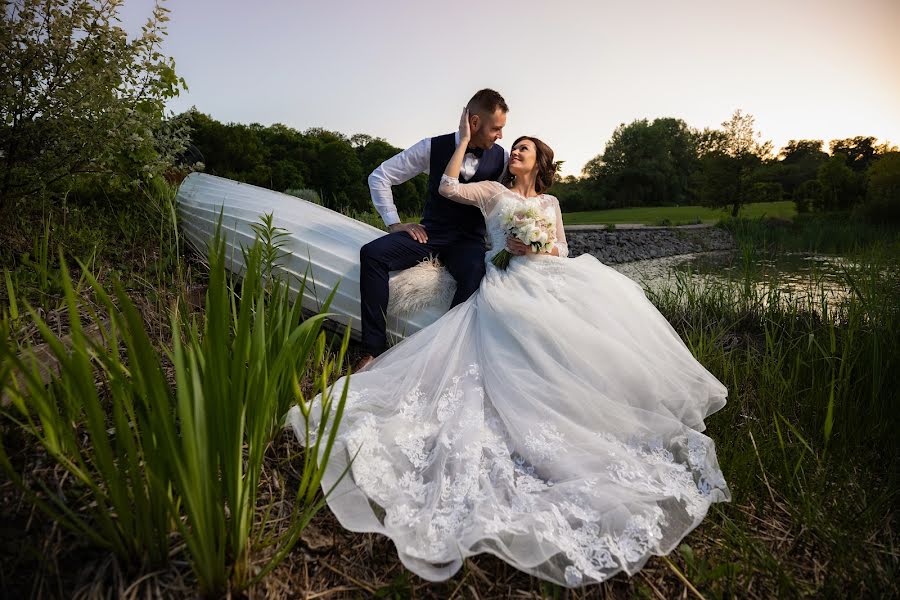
(793, 274)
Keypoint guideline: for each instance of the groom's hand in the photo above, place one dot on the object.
(415, 231)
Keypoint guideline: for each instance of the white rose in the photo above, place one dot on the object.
(525, 232)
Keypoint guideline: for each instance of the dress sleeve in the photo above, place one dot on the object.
(561, 243)
(477, 194)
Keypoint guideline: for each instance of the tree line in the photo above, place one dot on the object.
(326, 166)
(646, 163)
(667, 162)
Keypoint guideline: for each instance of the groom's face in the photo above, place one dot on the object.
(488, 128)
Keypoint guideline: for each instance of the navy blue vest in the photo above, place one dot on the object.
(446, 213)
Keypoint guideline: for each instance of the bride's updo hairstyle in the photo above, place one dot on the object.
(544, 161)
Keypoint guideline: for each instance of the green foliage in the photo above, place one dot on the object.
(235, 383)
(800, 161)
(78, 98)
(132, 236)
(281, 158)
(572, 194)
(122, 475)
(732, 173)
(840, 186)
(807, 439)
(667, 162)
(807, 194)
(741, 137)
(858, 152)
(342, 175)
(816, 232)
(645, 163)
(148, 459)
(305, 194)
(883, 195)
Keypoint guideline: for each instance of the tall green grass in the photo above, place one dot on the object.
(832, 233)
(809, 430)
(149, 458)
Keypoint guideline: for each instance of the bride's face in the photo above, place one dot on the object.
(522, 158)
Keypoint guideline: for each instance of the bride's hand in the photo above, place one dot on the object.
(465, 132)
(517, 246)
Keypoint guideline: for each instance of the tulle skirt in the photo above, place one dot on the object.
(554, 419)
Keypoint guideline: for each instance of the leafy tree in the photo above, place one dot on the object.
(342, 176)
(78, 98)
(361, 140)
(709, 141)
(646, 163)
(409, 196)
(807, 194)
(742, 139)
(839, 184)
(731, 171)
(797, 150)
(858, 152)
(883, 194)
(719, 180)
(571, 193)
(281, 158)
(800, 162)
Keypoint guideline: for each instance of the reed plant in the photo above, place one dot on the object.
(152, 454)
(833, 233)
(809, 430)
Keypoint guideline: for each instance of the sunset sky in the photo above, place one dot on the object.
(570, 71)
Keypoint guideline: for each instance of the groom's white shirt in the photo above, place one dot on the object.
(403, 167)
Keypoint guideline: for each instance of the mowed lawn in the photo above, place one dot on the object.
(678, 215)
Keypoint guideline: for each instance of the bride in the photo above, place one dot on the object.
(554, 419)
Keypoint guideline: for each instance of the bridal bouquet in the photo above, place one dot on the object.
(530, 223)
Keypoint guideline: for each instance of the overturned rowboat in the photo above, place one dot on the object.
(320, 244)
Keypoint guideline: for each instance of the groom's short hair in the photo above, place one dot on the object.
(487, 101)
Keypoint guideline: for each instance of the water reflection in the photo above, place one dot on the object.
(793, 274)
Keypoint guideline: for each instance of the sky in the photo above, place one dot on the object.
(570, 71)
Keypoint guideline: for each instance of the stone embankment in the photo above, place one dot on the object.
(631, 243)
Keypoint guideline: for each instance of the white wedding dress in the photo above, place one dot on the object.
(553, 419)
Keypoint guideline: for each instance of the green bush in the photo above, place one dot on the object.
(883, 196)
(807, 194)
(78, 98)
(305, 194)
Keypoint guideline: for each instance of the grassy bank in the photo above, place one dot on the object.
(808, 438)
(677, 215)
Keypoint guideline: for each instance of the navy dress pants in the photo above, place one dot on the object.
(462, 253)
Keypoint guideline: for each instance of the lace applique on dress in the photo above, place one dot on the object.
(690, 480)
(443, 463)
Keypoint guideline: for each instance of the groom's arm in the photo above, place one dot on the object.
(394, 171)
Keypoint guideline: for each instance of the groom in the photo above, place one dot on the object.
(453, 232)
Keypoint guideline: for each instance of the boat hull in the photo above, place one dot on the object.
(321, 244)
